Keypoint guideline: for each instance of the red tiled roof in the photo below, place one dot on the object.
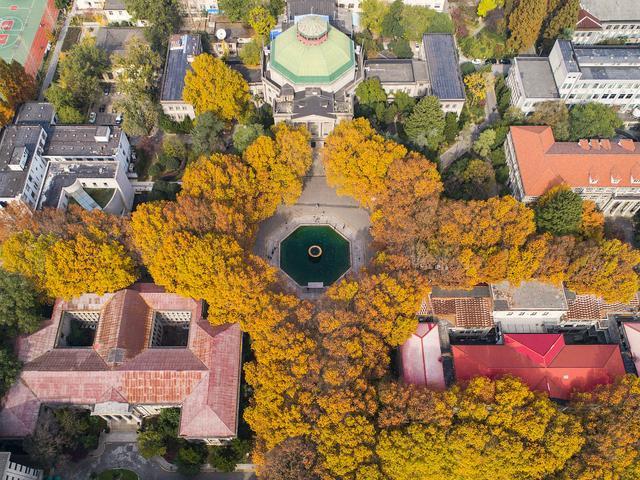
(544, 163)
(587, 21)
(421, 358)
(471, 312)
(542, 361)
(590, 307)
(163, 376)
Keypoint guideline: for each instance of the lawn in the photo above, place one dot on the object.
(117, 474)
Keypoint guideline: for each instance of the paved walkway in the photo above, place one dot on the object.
(125, 455)
(318, 204)
(53, 64)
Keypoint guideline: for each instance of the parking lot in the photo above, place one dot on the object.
(103, 106)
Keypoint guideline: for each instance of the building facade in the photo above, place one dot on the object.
(14, 471)
(47, 165)
(608, 20)
(183, 48)
(127, 355)
(604, 171)
(578, 74)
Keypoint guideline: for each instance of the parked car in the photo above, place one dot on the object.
(505, 61)
(491, 61)
(119, 119)
(477, 61)
(92, 117)
(106, 90)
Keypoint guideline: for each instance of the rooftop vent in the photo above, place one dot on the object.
(584, 144)
(102, 134)
(18, 159)
(627, 144)
(595, 144)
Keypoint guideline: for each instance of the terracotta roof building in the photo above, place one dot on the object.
(632, 335)
(542, 361)
(601, 20)
(127, 355)
(605, 171)
(421, 358)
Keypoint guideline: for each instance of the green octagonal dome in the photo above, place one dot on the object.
(315, 61)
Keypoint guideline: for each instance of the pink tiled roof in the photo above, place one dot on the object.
(587, 21)
(542, 361)
(204, 377)
(421, 358)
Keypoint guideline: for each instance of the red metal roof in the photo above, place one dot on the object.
(542, 361)
(204, 377)
(421, 358)
(587, 21)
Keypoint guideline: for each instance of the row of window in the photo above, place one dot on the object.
(531, 314)
(622, 27)
(178, 108)
(601, 86)
(604, 96)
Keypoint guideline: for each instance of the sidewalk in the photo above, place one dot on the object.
(53, 65)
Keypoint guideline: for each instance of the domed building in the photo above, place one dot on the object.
(310, 72)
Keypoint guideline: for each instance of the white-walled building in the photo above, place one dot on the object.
(604, 171)
(48, 165)
(14, 471)
(605, 20)
(578, 74)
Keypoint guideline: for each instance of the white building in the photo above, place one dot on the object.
(182, 51)
(604, 171)
(48, 165)
(605, 20)
(578, 74)
(14, 471)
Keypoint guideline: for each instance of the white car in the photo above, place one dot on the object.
(92, 117)
(477, 61)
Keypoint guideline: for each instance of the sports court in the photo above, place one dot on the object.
(24, 25)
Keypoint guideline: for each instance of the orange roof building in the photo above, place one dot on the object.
(126, 355)
(604, 171)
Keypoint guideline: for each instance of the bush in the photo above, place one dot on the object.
(250, 54)
(190, 458)
(168, 125)
(226, 457)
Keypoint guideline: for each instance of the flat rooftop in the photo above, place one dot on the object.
(610, 73)
(15, 137)
(443, 66)
(537, 77)
(80, 141)
(38, 113)
(396, 70)
(114, 39)
(182, 48)
(601, 55)
(530, 295)
(61, 175)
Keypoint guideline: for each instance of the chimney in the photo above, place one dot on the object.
(605, 144)
(584, 144)
(627, 144)
(595, 144)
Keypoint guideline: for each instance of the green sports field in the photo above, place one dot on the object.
(19, 25)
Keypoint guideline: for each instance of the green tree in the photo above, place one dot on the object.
(151, 443)
(370, 92)
(140, 114)
(80, 72)
(206, 133)
(425, 126)
(392, 22)
(63, 101)
(19, 306)
(470, 179)
(261, 21)
(525, 23)
(593, 120)
(190, 458)
(9, 370)
(483, 145)
(556, 115)
(250, 53)
(236, 10)
(373, 13)
(441, 23)
(451, 129)
(416, 21)
(138, 69)
(563, 19)
(401, 48)
(163, 17)
(559, 211)
(245, 135)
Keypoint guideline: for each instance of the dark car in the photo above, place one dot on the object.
(106, 90)
(491, 61)
(505, 61)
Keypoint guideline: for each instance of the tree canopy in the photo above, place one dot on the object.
(425, 126)
(593, 120)
(559, 211)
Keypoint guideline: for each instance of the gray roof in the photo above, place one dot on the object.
(537, 77)
(313, 102)
(114, 39)
(64, 174)
(181, 49)
(251, 75)
(443, 66)
(568, 55)
(306, 7)
(611, 73)
(35, 113)
(613, 10)
(114, 5)
(80, 141)
(16, 136)
(530, 295)
(600, 55)
(4, 461)
(396, 70)
(476, 292)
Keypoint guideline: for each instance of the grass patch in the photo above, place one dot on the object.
(118, 474)
(101, 195)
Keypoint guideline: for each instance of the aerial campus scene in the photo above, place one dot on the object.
(320, 239)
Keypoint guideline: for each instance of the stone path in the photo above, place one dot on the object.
(319, 204)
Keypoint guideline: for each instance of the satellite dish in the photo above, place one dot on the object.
(636, 112)
(221, 34)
